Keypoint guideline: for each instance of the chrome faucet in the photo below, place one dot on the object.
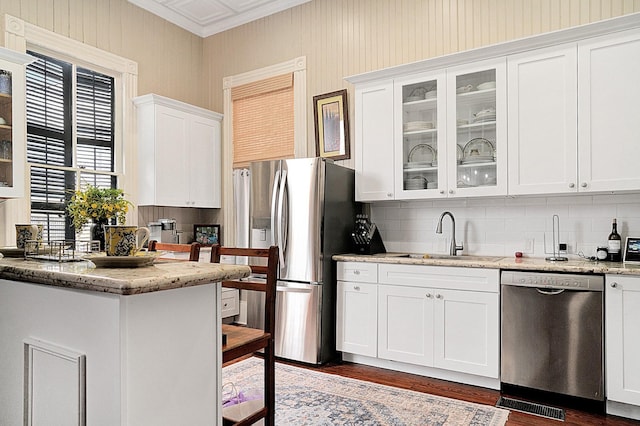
(453, 250)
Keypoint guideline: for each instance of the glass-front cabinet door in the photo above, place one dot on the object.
(420, 129)
(12, 123)
(476, 119)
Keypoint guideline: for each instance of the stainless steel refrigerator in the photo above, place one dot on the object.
(306, 207)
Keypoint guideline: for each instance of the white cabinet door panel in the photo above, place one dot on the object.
(172, 173)
(374, 142)
(608, 69)
(466, 333)
(622, 345)
(204, 164)
(356, 318)
(542, 117)
(405, 324)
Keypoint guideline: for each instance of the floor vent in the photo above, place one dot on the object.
(531, 408)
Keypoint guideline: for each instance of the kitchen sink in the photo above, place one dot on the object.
(462, 257)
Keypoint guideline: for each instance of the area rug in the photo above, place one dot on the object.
(307, 397)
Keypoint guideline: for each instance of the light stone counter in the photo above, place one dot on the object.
(162, 275)
(496, 262)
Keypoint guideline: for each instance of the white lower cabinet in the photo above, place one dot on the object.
(356, 318)
(622, 345)
(466, 336)
(431, 316)
(405, 324)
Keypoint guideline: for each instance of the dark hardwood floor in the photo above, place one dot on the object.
(464, 393)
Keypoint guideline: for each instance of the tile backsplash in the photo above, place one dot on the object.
(502, 226)
(185, 218)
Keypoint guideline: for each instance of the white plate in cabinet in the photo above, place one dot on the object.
(356, 318)
(357, 272)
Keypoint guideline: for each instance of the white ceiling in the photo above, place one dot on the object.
(208, 17)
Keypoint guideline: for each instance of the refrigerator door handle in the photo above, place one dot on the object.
(274, 198)
(285, 289)
(282, 237)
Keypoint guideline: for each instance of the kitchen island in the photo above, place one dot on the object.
(110, 346)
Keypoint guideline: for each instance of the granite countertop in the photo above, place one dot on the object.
(83, 275)
(582, 266)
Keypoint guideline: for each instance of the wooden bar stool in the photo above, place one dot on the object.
(242, 341)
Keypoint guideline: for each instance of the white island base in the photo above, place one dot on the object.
(72, 356)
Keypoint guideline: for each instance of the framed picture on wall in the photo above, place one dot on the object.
(332, 125)
(207, 234)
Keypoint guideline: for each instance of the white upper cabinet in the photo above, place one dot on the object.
(178, 154)
(550, 114)
(442, 134)
(12, 123)
(420, 143)
(477, 120)
(608, 112)
(542, 115)
(374, 142)
(572, 112)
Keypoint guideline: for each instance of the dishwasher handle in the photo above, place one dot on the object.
(548, 292)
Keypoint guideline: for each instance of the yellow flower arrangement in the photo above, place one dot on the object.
(97, 204)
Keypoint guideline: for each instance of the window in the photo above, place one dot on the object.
(70, 138)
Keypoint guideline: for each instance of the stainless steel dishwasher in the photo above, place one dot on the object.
(552, 333)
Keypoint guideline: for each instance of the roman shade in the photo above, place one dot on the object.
(263, 126)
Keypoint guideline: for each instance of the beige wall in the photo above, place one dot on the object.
(169, 58)
(346, 37)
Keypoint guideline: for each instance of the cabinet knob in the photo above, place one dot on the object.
(583, 184)
(572, 185)
(356, 272)
(614, 285)
(451, 191)
(429, 296)
(438, 296)
(389, 195)
(356, 287)
(442, 191)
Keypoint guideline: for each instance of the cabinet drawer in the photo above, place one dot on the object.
(452, 278)
(230, 302)
(358, 272)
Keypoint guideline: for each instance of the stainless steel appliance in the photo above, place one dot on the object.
(164, 231)
(552, 333)
(306, 207)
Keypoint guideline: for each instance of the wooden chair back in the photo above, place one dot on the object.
(242, 341)
(270, 271)
(193, 249)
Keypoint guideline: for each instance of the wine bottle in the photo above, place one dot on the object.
(614, 243)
